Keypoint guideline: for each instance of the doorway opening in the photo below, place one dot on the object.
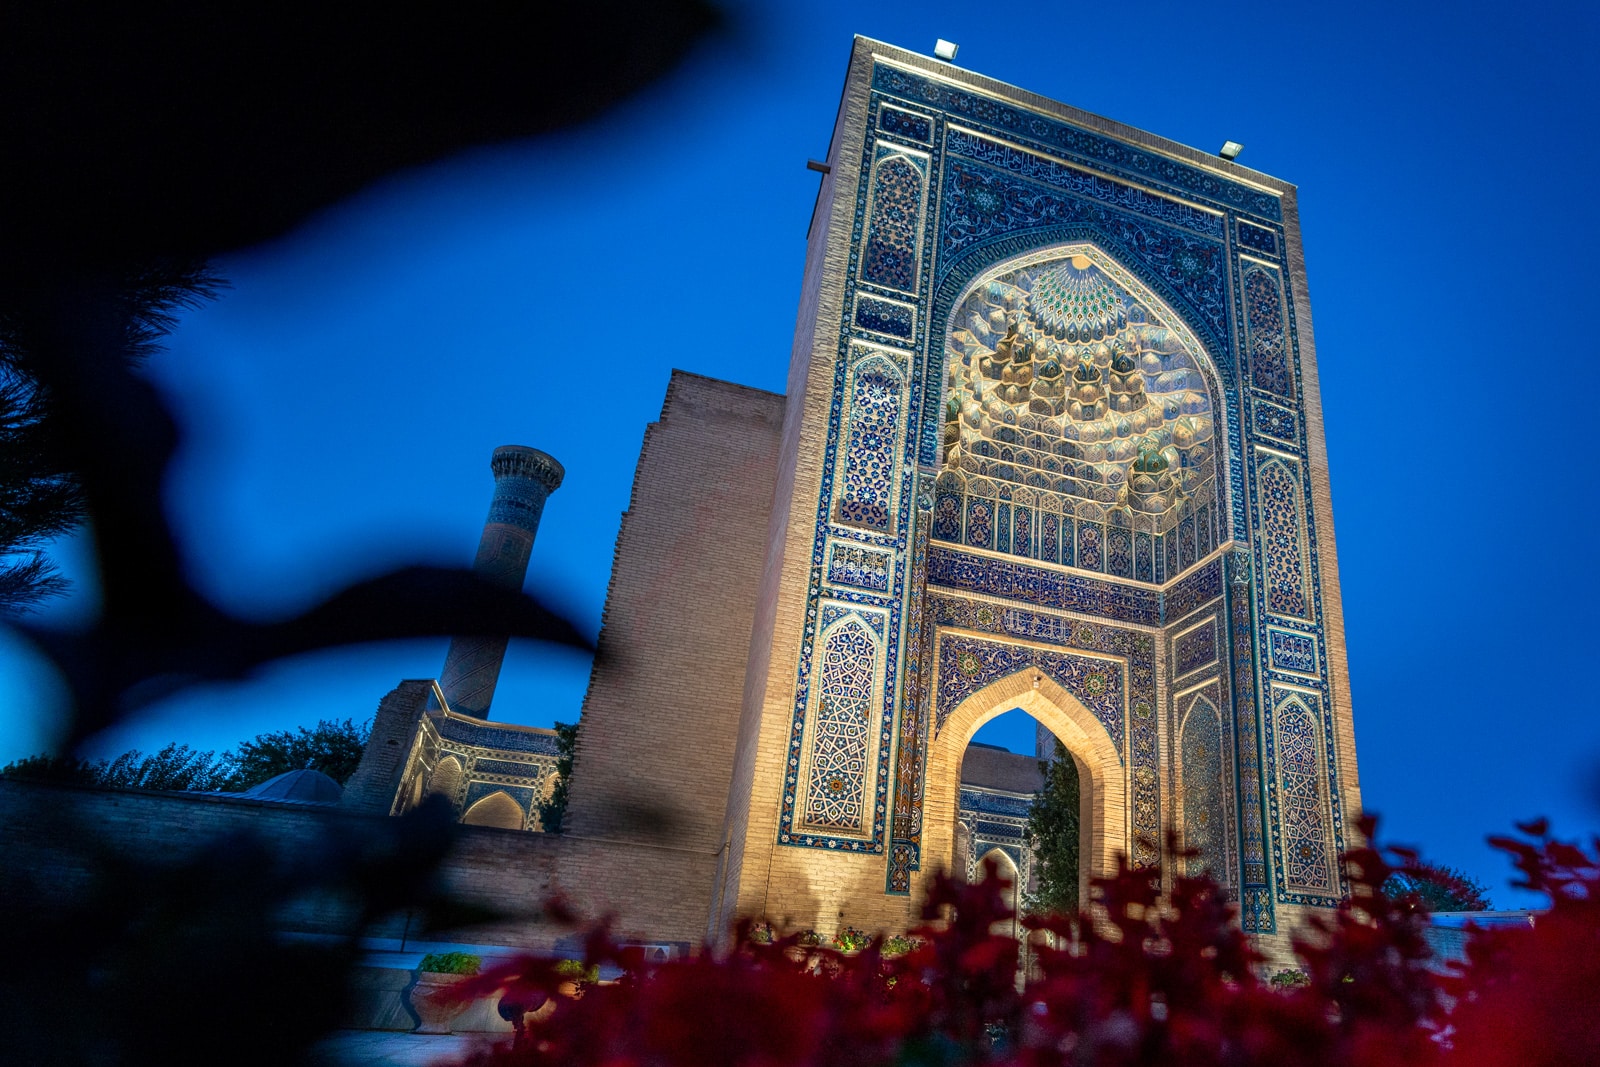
(1020, 806)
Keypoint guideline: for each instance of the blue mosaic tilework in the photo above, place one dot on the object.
(1256, 912)
(1258, 238)
(534, 772)
(981, 204)
(1282, 537)
(1293, 652)
(1195, 649)
(865, 568)
(888, 317)
(1152, 169)
(868, 482)
(1083, 183)
(955, 569)
(998, 829)
(842, 728)
(851, 359)
(1204, 822)
(1179, 255)
(1132, 648)
(832, 613)
(1275, 421)
(966, 665)
(987, 802)
(1193, 591)
(1299, 753)
(905, 124)
(1089, 557)
(1265, 331)
(477, 791)
(889, 257)
(490, 736)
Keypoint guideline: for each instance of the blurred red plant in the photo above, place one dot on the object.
(1142, 977)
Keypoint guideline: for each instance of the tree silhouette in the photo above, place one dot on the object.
(1053, 824)
(141, 134)
(1437, 887)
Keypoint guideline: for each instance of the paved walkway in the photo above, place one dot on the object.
(395, 1048)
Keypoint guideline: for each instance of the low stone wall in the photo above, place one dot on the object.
(657, 894)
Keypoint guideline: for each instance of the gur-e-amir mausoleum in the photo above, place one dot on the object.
(1052, 440)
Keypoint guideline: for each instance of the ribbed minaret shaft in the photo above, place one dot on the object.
(523, 479)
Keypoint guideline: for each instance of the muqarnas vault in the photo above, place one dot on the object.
(1052, 440)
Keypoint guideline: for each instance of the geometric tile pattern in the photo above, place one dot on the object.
(956, 190)
(857, 565)
(1014, 580)
(1301, 805)
(1273, 420)
(1195, 649)
(1204, 823)
(1269, 350)
(842, 732)
(1257, 238)
(1152, 168)
(868, 482)
(905, 124)
(1130, 651)
(890, 257)
(1292, 652)
(967, 665)
(889, 317)
(1257, 915)
(1282, 538)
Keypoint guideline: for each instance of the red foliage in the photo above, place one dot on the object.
(1141, 978)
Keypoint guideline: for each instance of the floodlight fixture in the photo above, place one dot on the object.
(945, 50)
(1230, 150)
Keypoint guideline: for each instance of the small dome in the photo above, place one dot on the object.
(1077, 302)
(305, 786)
(1122, 363)
(1087, 372)
(1150, 460)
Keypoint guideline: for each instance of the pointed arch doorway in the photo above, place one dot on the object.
(1103, 791)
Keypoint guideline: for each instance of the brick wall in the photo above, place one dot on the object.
(45, 830)
(655, 753)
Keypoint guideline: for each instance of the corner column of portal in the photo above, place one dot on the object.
(524, 478)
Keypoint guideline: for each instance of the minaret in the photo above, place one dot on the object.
(523, 479)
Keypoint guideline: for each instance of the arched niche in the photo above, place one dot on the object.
(1104, 788)
(446, 778)
(497, 810)
(1201, 792)
(1006, 868)
(1082, 422)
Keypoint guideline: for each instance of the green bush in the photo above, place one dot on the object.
(576, 971)
(1289, 978)
(450, 963)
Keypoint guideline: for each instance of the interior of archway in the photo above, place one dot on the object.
(1103, 786)
(1078, 422)
(1009, 764)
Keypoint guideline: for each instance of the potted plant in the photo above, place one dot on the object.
(432, 994)
(850, 940)
(575, 975)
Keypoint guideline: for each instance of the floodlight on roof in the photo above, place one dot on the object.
(1230, 150)
(945, 50)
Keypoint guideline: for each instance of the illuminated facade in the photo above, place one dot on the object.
(1052, 440)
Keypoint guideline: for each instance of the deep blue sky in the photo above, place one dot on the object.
(343, 398)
